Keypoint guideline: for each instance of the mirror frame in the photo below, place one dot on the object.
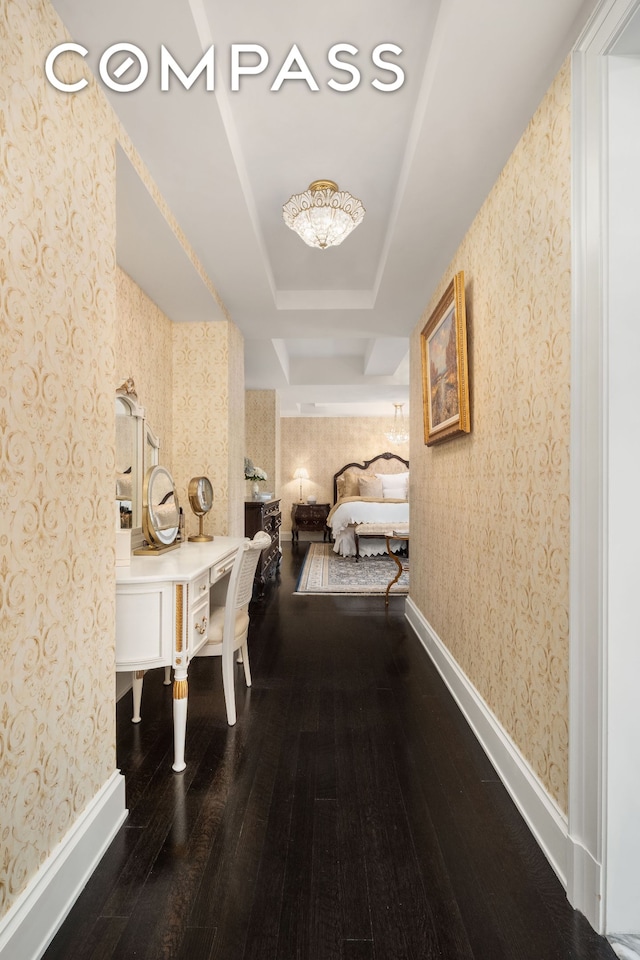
(159, 541)
(136, 412)
(146, 442)
(198, 507)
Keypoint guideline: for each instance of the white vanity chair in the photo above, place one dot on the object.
(229, 623)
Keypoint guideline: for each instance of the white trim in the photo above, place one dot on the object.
(34, 919)
(589, 457)
(542, 815)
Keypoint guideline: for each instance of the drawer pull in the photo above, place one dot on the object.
(204, 586)
(202, 627)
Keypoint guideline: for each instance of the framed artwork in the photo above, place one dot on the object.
(445, 374)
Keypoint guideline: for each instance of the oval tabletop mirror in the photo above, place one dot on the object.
(201, 500)
(160, 512)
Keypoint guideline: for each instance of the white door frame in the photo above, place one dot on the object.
(590, 615)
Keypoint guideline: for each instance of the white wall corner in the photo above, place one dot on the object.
(541, 814)
(34, 919)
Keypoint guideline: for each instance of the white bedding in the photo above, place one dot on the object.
(353, 510)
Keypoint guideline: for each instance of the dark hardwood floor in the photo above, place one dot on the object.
(349, 815)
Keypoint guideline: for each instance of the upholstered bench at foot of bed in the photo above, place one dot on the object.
(378, 530)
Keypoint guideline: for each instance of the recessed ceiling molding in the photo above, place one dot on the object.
(384, 355)
(205, 35)
(169, 278)
(438, 48)
(282, 354)
(325, 300)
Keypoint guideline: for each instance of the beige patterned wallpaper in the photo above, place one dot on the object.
(208, 420)
(323, 445)
(57, 579)
(490, 529)
(72, 327)
(144, 352)
(235, 430)
(262, 436)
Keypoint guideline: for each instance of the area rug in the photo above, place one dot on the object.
(325, 572)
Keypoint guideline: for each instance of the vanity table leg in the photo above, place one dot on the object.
(167, 676)
(137, 678)
(180, 695)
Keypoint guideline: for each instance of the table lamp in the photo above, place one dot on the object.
(301, 474)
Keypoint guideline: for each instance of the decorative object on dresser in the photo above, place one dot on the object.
(301, 474)
(257, 474)
(264, 515)
(201, 500)
(309, 516)
(137, 449)
(160, 512)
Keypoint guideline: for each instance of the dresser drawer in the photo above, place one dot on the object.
(200, 587)
(264, 516)
(198, 625)
(271, 509)
(221, 569)
(272, 525)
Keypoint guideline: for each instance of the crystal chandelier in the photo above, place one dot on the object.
(398, 432)
(323, 215)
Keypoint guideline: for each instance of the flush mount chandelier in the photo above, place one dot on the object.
(323, 215)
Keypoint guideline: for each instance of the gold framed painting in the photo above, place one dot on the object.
(445, 374)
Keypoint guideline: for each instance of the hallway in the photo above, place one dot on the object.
(349, 815)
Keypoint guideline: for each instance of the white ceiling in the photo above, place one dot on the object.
(328, 329)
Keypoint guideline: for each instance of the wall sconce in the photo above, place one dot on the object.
(301, 474)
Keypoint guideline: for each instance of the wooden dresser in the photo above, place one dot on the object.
(264, 515)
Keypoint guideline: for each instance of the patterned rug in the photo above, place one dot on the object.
(325, 572)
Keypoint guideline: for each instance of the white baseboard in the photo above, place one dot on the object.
(34, 919)
(544, 818)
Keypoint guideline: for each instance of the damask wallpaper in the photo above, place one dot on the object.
(490, 529)
(57, 556)
(262, 435)
(208, 420)
(72, 327)
(323, 445)
(144, 352)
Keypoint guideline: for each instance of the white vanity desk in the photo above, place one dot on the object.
(162, 612)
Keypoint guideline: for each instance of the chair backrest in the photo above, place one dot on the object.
(244, 568)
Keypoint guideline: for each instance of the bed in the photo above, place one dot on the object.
(373, 492)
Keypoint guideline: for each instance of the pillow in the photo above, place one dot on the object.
(348, 485)
(395, 486)
(371, 487)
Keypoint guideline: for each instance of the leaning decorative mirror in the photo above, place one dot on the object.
(137, 449)
(201, 500)
(129, 425)
(160, 512)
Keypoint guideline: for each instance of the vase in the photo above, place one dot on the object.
(255, 491)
